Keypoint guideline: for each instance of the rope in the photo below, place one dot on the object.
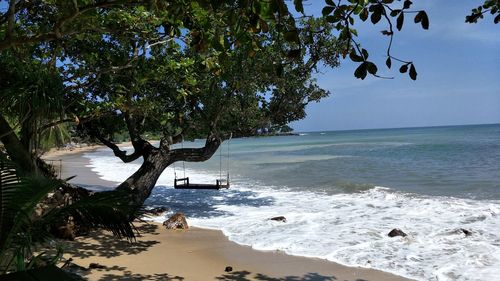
(183, 163)
(220, 164)
(175, 173)
(228, 141)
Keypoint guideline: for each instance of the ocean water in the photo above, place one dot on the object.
(342, 192)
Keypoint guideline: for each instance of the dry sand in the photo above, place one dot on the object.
(194, 254)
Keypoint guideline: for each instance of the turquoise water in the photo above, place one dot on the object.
(460, 161)
(342, 192)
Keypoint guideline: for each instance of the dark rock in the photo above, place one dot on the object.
(94, 265)
(156, 211)
(228, 269)
(466, 232)
(177, 221)
(280, 218)
(396, 232)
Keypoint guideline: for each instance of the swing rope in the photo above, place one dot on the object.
(220, 181)
(227, 160)
(183, 163)
(227, 169)
(220, 164)
(175, 173)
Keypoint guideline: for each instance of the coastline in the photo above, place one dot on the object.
(74, 164)
(194, 254)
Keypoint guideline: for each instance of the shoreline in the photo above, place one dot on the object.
(194, 254)
(73, 163)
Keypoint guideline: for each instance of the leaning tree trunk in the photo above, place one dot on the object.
(142, 182)
(15, 149)
(156, 160)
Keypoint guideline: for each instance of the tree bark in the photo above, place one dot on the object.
(15, 149)
(142, 182)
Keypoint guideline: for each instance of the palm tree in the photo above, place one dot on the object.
(21, 229)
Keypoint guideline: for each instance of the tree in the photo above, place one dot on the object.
(185, 94)
(186, 68)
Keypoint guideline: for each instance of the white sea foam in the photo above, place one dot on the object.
(347, 228)
(352, 229)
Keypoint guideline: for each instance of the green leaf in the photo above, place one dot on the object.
(423, 19)
(388, 62)
(292, 36)
(418, 18)
(327, 10)
(407, 4)
(298, 6)
(294, 54)
(330, 2)
(399, 21)
(403, 68)
(364, 14)
(365, 53)
(332, 19)
(413, 72)
(361, 71)
(376, 16)
(395, 12)
(371, 67)
(354, 57)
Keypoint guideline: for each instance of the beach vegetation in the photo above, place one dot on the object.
(26, 239)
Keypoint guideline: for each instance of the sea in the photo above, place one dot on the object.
(342, 192)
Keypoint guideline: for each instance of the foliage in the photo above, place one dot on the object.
(21, 229)
(489, 6)
(54, 136)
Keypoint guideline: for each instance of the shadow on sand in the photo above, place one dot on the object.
(248, 276)
(109, 246)
(232, 276)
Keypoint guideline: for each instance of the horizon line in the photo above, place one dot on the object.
(395, 128)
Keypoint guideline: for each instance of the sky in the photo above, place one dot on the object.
(458, 80)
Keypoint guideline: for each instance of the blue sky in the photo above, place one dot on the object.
(458, 81)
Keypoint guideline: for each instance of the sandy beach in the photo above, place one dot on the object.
(194, 254)
(71, 163)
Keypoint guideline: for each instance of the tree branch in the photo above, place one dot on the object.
(133, 130)
(117, 151)
(141, 148)
(11, 18)
(197, 154)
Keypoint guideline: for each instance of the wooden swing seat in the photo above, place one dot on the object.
(183, 183)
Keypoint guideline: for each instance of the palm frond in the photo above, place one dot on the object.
(20, 229)
(18, 198)
(109, 210)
